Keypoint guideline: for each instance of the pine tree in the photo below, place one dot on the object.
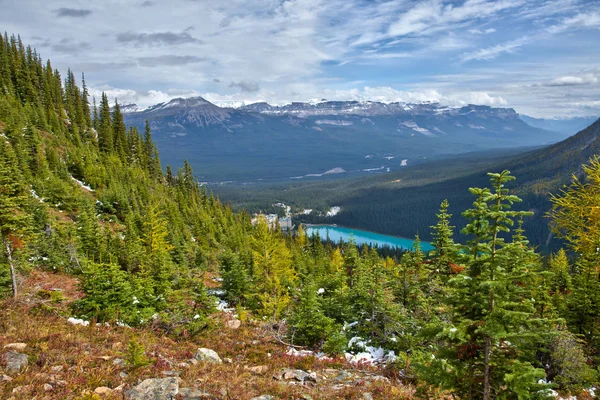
(14, 220)
(105, 132)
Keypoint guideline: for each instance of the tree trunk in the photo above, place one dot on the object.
(486, 382)
(13, 275)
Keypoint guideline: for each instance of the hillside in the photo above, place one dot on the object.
(264, 142)
(120, 281)
(397, 203)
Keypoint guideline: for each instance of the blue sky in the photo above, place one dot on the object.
(540, 57)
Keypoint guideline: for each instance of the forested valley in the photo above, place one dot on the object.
(155, 260)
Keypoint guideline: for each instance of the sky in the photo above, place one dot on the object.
(540, 57)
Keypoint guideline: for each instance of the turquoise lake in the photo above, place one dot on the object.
(361, 237)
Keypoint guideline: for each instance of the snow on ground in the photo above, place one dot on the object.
(83, 185)
(307, 211)
(373, 169)
(305, 353)
(78, 321)
(369, 354)
(404, 163)
(333, 211)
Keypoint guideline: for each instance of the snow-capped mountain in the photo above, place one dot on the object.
(309, 138)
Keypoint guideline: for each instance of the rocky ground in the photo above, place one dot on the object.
(45, 356)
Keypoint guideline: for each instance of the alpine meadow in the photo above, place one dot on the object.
(154, 211)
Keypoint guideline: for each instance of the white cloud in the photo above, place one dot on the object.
(489, 53)
(584, 20)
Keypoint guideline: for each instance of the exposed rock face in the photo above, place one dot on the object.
(15, 362)
(208, 355)
(154, 389)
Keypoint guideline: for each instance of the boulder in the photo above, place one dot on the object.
(15, 362)
(154, 389)
(263, 397)
(259, 369)
(208, 355)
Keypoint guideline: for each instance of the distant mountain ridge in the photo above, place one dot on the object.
(261, 141)
(562, 125)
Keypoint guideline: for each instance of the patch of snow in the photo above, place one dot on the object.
(307, 211)
(476, 126)
(335, 122)
(78, 321)
(224, 306)
(389, 157)
(321, 291)
(83, 185)
(413, 125)
(373, 169)
(404, 163)
(35, 196)
(305, 353)
(333, 211)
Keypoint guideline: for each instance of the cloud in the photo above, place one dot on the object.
(69, 46)
(585, 20)
(578, 79)
(73, 12)
(490, 53)
(169, 60)
(147, 3)
(156, 38)
(246, 86)
(480, 32)
(434, 15)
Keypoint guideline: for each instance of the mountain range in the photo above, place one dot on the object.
(300, 140)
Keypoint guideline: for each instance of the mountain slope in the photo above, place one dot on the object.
(564, 125)
(261, 141)
(400, 203)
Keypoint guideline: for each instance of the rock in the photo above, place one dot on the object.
(183, 365)
(119, 362)
(103, 390)
(123, 375)
(263, 397)
(5, 378)
(208, 355)
(15, 362)
(171, 373)
(56, 369)
(119, 388)
(233, 324)
(259, 369)
(228, 360)
(48, 387)
(367, 396)
(105, 358)
(16, 346)
(153, 389)
(297, 374)
(194, 394)
(22, 389)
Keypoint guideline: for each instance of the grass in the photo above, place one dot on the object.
(74, 360)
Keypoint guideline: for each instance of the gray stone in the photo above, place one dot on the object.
(263, 397)
(367, 396)
(15, 362)
(5, 378)
(119, 362)
(208, 355)
(154, 389)
(194, 394)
